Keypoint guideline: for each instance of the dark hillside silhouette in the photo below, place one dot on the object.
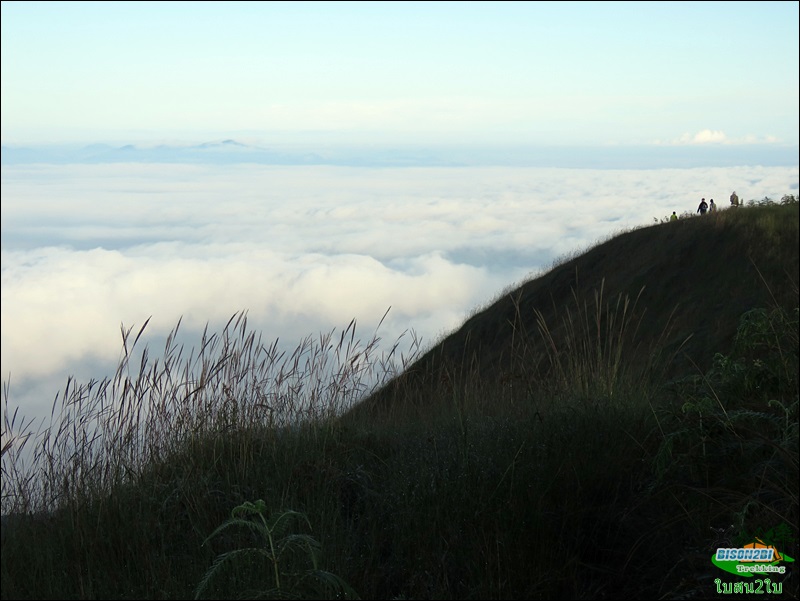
(687, 281)
(597, 432)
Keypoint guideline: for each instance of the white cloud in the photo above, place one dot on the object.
(705, 136)
(303, 250)
(712, 137)
(708, 136)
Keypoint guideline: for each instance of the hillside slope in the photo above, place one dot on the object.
(687, 284)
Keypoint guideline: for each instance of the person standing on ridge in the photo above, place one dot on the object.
(673, 217)
(703, 206)
(734, 199)
(711, 206)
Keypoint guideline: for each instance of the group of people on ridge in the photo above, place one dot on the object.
(709, 206)
(706, 206)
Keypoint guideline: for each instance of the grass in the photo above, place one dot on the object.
(582, 438)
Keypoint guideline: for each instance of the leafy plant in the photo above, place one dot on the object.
(278, 549)
(742, 412)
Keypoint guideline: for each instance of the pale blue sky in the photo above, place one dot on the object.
(585, 73)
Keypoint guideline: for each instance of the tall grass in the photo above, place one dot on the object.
(103, 434)
(168, 437)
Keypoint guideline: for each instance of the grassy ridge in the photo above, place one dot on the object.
(595, 433)
(687, 283)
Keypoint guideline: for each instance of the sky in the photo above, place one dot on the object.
(552, 73)
(449, 92)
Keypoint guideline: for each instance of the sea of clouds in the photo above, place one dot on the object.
(90, 249)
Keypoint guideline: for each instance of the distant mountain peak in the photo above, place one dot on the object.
(229, 143)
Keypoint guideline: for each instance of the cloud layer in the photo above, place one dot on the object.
(88, 248)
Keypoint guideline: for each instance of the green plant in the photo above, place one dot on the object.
(278, 549)
(742, 413)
